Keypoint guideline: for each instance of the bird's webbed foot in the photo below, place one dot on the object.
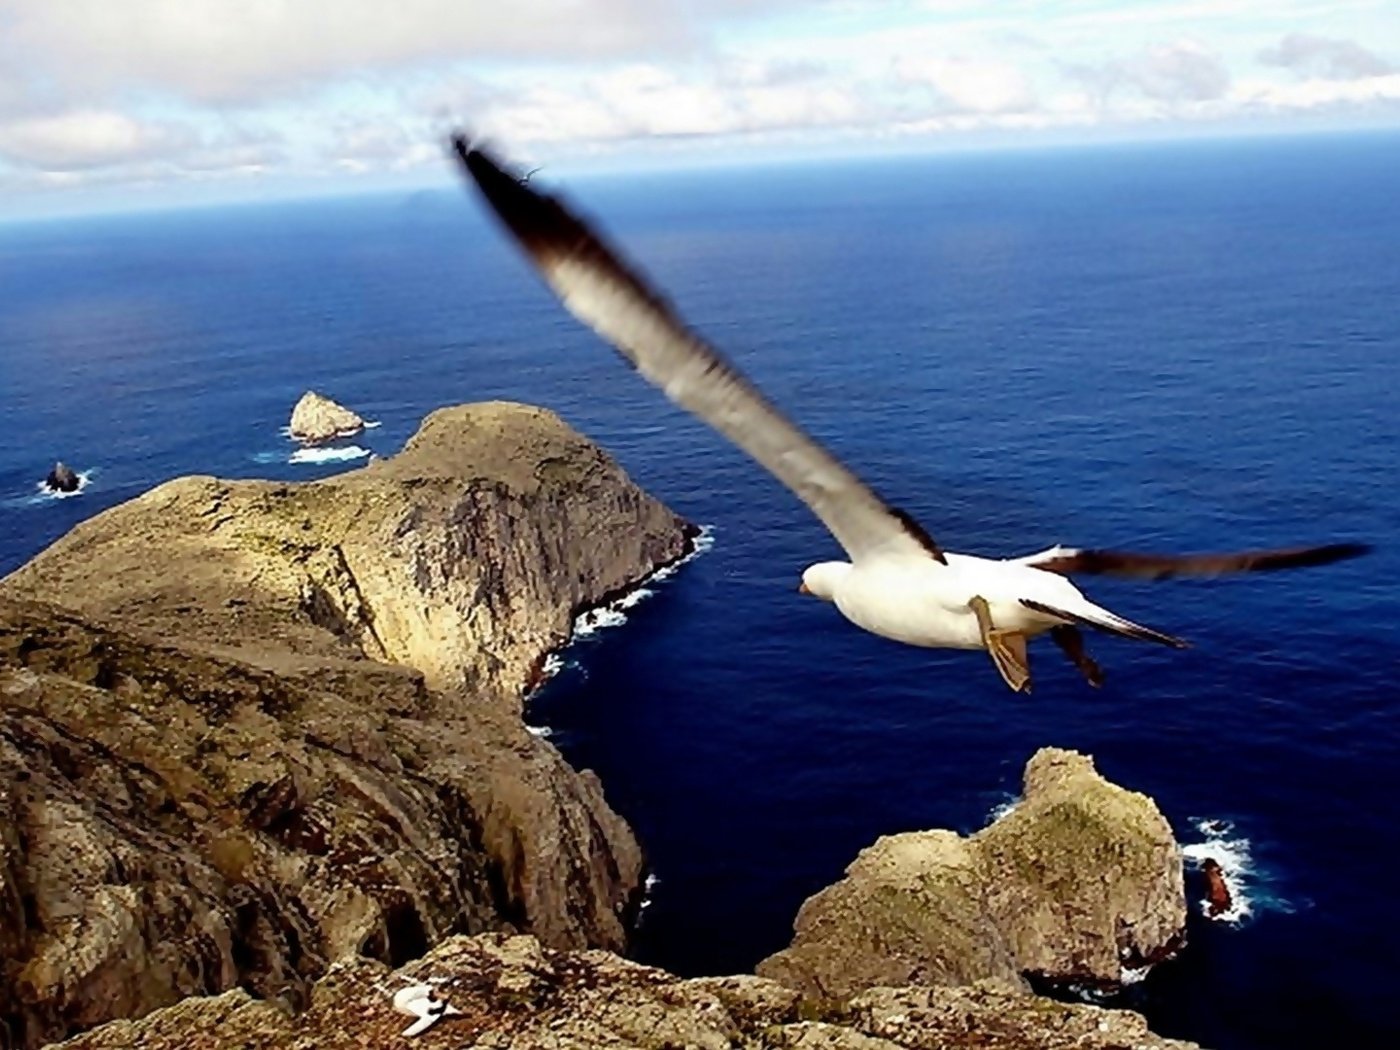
(1006, 648)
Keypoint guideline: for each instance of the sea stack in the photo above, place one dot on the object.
(61, 478)
(316, 419)
(1218, 900)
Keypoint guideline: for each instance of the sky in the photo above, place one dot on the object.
(118, 104)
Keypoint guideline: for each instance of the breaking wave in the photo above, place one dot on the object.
(614, 613)
(328, 455)
(45, 493)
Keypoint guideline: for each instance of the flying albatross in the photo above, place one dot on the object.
(898, 582)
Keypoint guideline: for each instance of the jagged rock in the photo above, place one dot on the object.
(61, 478)
(275, 724)
(316, 419)
(1081, 879)
(515, 995)
(1217, 892)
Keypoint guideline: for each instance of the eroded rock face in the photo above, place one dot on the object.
(516, 995)
(247, 728)
(1081, 879)
(316, 419)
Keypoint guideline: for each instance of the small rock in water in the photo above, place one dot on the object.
(62, 478)
(1217, 893)
(316, 419)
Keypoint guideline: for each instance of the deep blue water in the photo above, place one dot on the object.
(1176, 347)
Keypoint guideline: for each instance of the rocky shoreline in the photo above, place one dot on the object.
(262, 755)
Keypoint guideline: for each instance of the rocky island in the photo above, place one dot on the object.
(317, 419)
(262, 761)
(62, 478)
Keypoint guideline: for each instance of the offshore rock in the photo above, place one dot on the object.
(1081, 880)
(317, 419)
(247, 728)
(515, 995)
(61, 478)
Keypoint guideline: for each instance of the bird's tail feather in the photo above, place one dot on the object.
(1098, 617)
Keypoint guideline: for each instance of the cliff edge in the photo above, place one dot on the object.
(248, 727)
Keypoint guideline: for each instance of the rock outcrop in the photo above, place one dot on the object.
(1218, 900)
(317, 419)
(61, 478)
(516, 995)
(1079, 881)
(247, 728)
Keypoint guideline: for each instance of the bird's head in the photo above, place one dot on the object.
(822, 579)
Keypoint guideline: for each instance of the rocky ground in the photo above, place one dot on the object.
(515, 995)
(248, 727)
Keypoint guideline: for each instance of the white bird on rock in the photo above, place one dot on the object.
(898, 582)
(420, 1001)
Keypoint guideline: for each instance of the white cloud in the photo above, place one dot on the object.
(239, 50)
(970, 86)
(1326, 57)
(121, 90)
(87, 139)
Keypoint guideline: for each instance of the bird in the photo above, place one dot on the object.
(418, 1001)
(897, 581)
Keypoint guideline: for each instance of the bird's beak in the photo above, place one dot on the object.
(802, 588)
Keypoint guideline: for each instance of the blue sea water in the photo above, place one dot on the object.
(1175, 347)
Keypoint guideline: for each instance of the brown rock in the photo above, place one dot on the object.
(279, 723)
(1217, 892)
(515, 995)
(1078, 881)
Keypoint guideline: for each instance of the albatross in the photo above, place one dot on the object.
(898, 582)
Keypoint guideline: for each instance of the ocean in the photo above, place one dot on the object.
(1187, 346)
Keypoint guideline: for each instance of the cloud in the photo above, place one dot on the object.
(1325, 57)
(217, 52)
(970, 86)
(87, 138)
(1184, 71)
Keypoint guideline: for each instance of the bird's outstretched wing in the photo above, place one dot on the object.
(1070, 560)
(606, 294)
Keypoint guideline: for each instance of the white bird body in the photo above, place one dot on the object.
(919, 601)
(420, 1001)
(898, 583)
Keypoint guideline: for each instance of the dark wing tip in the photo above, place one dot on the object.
(534, 218)
(1323, 555)
(916, 531)
(1168, 566)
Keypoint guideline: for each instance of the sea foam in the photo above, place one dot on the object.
(1223, 844)
(45, 493)
(613, 614)
(328, 455)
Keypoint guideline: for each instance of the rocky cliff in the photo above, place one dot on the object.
(1081, 880)
(246, 727)
(515, 995)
